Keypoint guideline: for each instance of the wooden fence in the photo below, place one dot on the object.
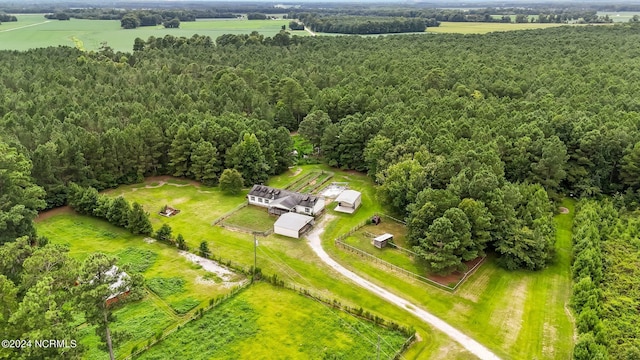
(396, 268)
(229, 213)
(391, 266)
(175, 327)
(398, 354)
(340, 243)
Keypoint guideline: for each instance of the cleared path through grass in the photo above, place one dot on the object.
(471, 345)
(26, 26)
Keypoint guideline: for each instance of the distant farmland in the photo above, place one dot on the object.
(33, 31)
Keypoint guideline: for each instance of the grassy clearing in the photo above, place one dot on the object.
(472, 309)
(518, 314)
(199, 207)
(91, 33)
(263, 321)
(363, 240)
(483, 28)
(251, 217)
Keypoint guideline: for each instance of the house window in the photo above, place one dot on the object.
(253, 198)
(259, 200)
(307, 210)
(266, 201)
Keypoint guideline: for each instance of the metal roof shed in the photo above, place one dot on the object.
(381, 241)
(292, 224)
(348, 201)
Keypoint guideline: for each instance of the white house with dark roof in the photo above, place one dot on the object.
(280, 201)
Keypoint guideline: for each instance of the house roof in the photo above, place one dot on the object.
(293, 221)
(117, 285)
(348, 196)
(275, 195)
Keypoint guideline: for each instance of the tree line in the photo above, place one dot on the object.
(605, 292)
(362, 25)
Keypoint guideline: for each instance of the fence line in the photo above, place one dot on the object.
(392, 218)
(196, 315)
(229, 213)
(403, 249)
(404, 347)
(353, 229)
(365, 254)
(392, 266)
(246, 230)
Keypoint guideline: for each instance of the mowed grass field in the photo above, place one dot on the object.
(265, 322)
(33, 31)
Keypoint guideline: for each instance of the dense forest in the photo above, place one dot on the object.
(469, 137)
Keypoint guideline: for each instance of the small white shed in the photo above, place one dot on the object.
(292, 224)
(381, 241)
(348, 201)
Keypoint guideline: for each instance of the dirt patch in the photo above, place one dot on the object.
(297, 172)
(461, 308)
(149, 240)
(53, 212)
(452, 279)
(228, 277)
(563, 210)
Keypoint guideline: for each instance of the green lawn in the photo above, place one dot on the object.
(157, 262)
(519, 315)
(251, 217)
(264, 322)
(92, 33)
(199, 207)
(363, 240)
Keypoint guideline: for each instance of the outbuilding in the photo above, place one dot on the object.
(292, 224)
(381, 241)
(348, 201)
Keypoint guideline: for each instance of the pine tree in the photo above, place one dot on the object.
(182, 244)
(205, 163)
(247, 157)
(164, 233)
(139, 220)
(180, 153)
(204, 250)
(118, 213)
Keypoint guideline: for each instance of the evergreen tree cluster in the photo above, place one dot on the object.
(362, 25)
(606, 291)
(117, 211)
